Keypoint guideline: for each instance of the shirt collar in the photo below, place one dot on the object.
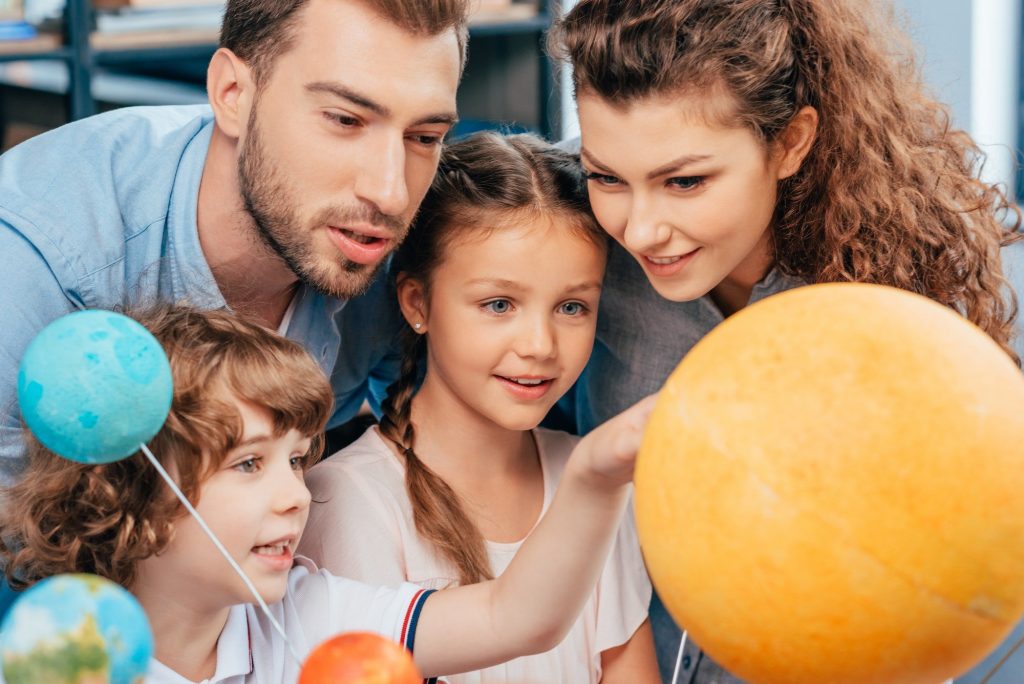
(234, 653)
(234, 648)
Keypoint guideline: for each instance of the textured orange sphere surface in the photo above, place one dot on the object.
(359, 658)
(831, 489)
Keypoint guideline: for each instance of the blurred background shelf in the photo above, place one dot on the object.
(45, 46)
(508, 82)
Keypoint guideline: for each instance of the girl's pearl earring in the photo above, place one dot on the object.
(418, 326)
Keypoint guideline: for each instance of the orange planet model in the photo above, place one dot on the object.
(831, 489)
(359, 658)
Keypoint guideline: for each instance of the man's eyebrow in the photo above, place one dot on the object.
(360, 100)
(673, 165)
(346, 93)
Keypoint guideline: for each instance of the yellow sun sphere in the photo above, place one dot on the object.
(831, 489)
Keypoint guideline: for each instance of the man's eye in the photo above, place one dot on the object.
(342, 119)
(428, 140)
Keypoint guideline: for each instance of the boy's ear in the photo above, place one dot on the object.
(230, 88)
(412, 299)
(795, 141)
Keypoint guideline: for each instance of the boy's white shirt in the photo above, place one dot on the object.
(316, 606)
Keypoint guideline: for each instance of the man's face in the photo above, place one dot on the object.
(343, 141)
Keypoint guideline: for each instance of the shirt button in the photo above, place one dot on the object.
(686, 662)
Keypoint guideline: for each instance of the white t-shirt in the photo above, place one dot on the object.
(317, 606)
(361, 526)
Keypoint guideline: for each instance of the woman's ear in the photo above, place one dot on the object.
(794, 143)
(412, 299)
(230, 88)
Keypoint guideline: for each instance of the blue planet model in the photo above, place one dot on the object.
(75, 629)
(94, 385)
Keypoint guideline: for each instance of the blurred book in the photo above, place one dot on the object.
(16, 30)
(141, 4)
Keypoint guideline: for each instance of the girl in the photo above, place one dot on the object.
(737, 148)
(247, 408)
(499, 281)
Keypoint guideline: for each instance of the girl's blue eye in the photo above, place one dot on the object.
(498, 306)
(573, 308)
(298, 462)
(686, 182)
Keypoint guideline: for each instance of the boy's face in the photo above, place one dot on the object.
(257, 504)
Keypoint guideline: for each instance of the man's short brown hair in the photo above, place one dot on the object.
(259, 31)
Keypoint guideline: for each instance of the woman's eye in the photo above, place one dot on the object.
(573, 308)
(498, 306)
(601, 178)
(686, 182)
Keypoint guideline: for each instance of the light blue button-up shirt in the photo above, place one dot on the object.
(101, 213)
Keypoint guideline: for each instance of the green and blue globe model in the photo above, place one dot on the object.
(75, 629)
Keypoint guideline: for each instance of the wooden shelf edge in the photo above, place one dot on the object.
(45, 42)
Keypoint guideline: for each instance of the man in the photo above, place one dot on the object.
(281, 200)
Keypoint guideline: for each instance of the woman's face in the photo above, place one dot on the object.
(692, 201)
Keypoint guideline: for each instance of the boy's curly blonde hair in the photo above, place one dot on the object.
(65, 516)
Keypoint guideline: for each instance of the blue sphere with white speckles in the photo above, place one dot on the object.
(94, 385)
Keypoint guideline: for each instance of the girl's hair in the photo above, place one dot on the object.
(483, 182)
(888, 193)
(65, 516)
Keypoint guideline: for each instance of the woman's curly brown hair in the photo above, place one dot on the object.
(889, 192)
(103, 519)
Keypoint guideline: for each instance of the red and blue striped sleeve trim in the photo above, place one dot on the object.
(412, 617)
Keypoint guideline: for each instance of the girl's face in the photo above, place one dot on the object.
(510, 319)
(256, 503)
(691, 201)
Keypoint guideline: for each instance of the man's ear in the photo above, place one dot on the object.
(231, 88)
(794, 143)
(412, 299)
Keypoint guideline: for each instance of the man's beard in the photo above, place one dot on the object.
(267, 200)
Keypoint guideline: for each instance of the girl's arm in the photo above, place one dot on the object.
(531, 607)
(634, 662)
